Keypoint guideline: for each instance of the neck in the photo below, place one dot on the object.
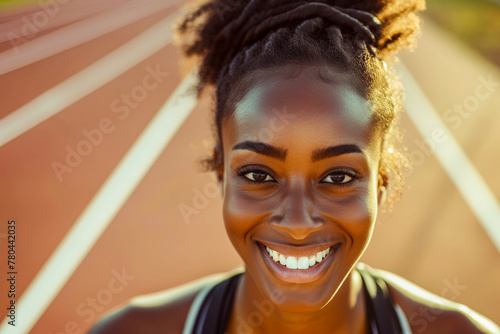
(345, 313)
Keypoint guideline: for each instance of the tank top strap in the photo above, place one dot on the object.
(209, 314)
(383, 313)
(211, 309)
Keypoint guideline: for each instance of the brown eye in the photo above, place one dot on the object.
(338, 178)
(258, 177)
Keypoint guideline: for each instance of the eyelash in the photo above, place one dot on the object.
(249, 169)
(341, 171)
(338, 171)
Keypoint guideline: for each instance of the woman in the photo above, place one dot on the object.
(305, 157)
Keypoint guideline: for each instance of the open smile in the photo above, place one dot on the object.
(295, 265)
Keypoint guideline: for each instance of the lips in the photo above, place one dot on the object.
(298, 264)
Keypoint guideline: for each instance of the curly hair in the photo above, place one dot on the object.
(238, 42)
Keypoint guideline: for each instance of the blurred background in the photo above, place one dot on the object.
(99, 141)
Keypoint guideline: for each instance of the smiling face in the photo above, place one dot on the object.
(300, 183)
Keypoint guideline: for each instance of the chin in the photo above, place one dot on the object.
(296, 297)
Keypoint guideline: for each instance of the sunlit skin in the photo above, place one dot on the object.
(300, 183)
(300, 199)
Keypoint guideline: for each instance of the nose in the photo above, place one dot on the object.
(296, 215)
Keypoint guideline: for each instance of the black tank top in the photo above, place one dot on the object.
(384, 316)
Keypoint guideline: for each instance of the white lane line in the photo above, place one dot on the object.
(452, 158)
(86, 81)
(18, 22)
(104, 206)
(79, 33)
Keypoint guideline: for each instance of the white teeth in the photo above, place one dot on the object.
(292, 262)
(319, 256)
(303, 263)
(269, 251)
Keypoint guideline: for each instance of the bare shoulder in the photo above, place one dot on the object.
(166, 318)
(162, 312)
(429, 313)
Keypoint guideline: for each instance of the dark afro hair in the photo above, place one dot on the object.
(238, 42)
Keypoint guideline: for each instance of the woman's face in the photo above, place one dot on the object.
(300, 180)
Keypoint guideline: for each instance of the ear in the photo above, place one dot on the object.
(381, 190)
(217, 154)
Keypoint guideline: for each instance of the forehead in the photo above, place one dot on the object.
(303, 110)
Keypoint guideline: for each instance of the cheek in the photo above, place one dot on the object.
(240, 215)
(355, 215)
(362, 221)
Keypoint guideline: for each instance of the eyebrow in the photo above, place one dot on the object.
(280, 153)
(333, 151)
(261, 148)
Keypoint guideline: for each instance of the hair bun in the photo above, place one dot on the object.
(363, 23)
(216, 30)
